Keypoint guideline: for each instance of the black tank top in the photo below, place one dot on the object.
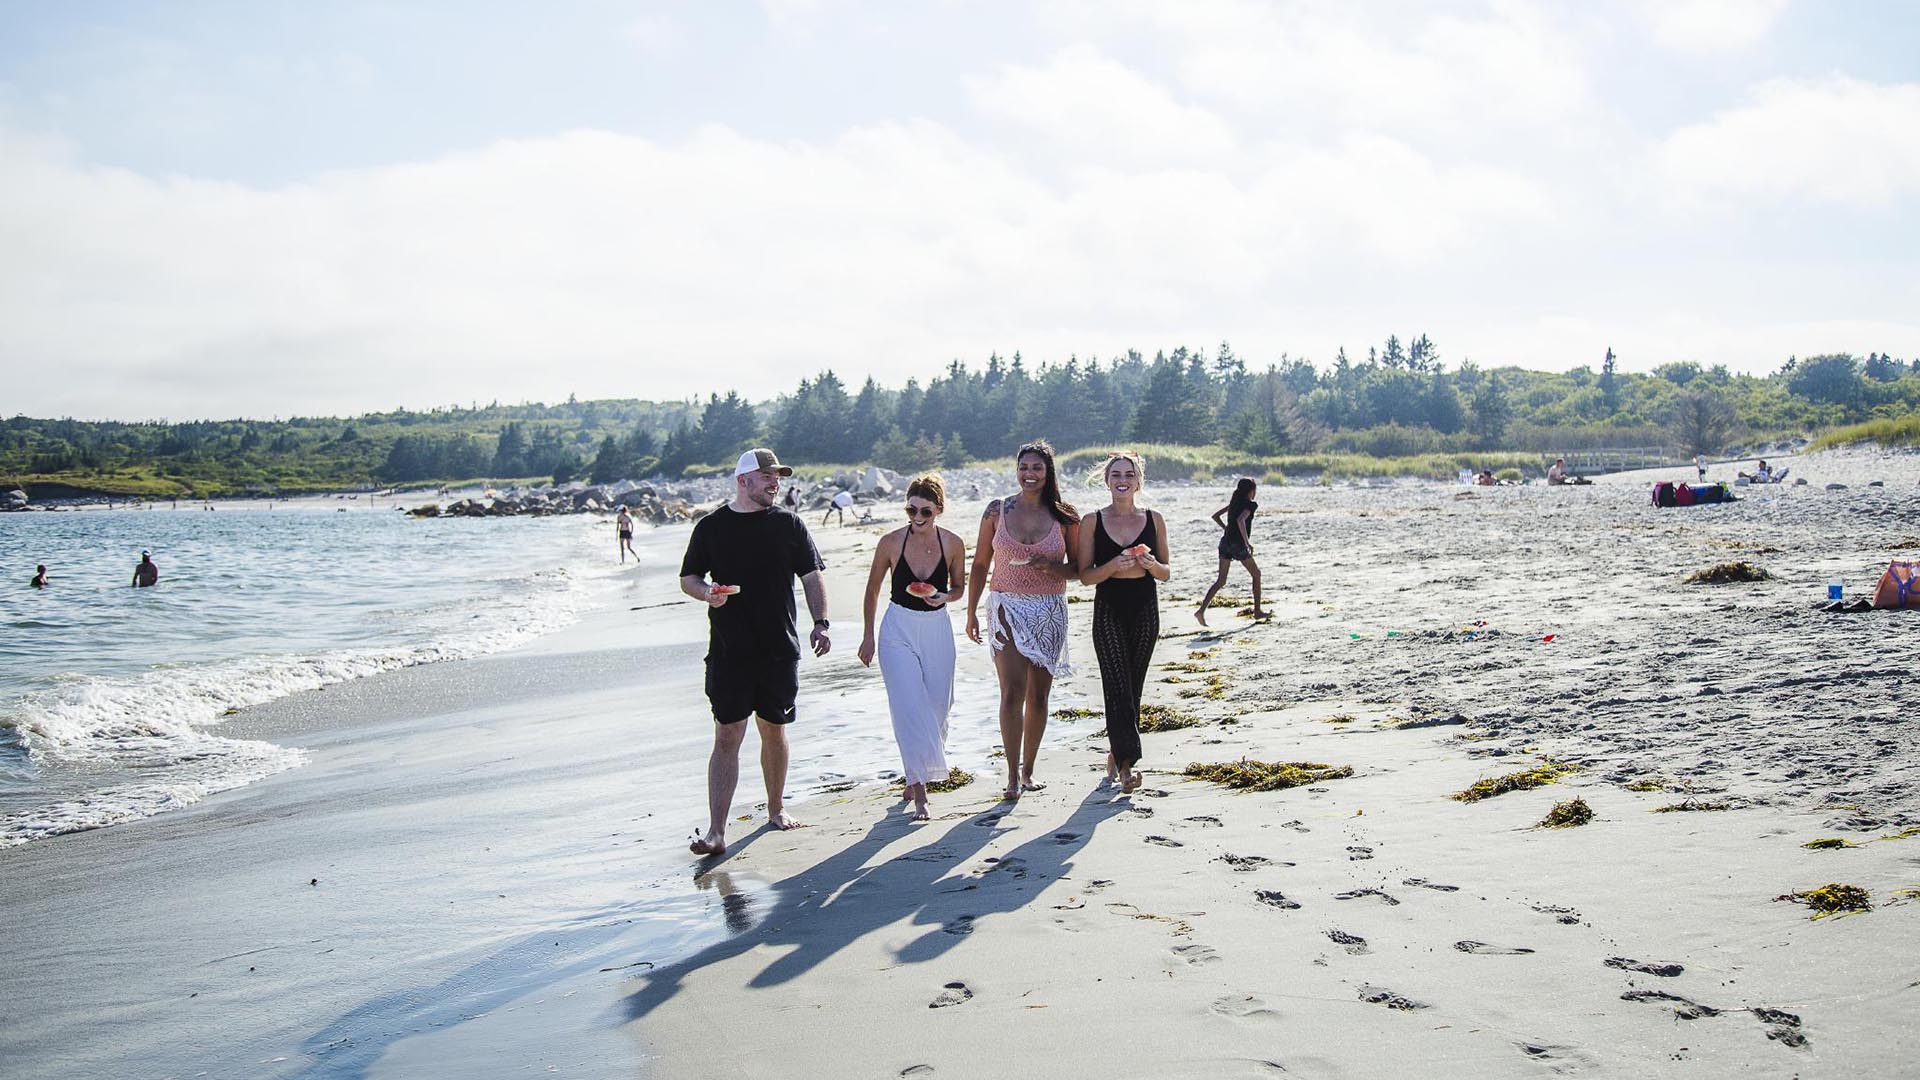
(1106, 548)
(903, 577)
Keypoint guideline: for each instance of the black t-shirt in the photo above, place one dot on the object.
(761, 552)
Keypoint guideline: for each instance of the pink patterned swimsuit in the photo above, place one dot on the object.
(1026, 606)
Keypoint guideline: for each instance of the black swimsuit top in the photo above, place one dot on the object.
(903, 576)
(1106, 549)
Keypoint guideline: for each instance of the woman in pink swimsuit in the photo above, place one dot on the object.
(1028, 541)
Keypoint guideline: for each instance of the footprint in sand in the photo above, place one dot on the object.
(987, 821)
(917, 1070)
(1244, 1007)
(1151, 793)
(1065, 837)
(1164, 841)
(1279, 900)
(1684, 1008)
(1481, 948)
(1665, 971)
(1566, 916)
(1356, 894)
(1244, 863)
(1295, 826)
(1425, 884)
(960, 927)
(1196, 954)
(954, 993)
(1353, 943)
(1380, 995)
(1204, 820)
(1782, 1027)
(1357, 852)
(1140, 811)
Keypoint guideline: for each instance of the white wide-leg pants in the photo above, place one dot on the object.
(916, 660)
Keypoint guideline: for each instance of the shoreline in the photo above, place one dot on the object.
(581, 935)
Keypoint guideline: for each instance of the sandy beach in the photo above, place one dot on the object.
(481, 872)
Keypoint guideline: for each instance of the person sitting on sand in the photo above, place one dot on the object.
(1236, 545)
(741, 561)
(1761, 473)
(915, 646)
(40, 577)
(146, 575)
(1029, 541)
(1557, 475)
(1486, 479)
(1126, 606)
(624, 526)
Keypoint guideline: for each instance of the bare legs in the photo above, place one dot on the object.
(723, 776)
(1253, 571)
(1024, 689)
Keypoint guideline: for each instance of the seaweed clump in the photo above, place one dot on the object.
(1566, 815)
(1649, 784)
(1691, 805)
(956, 778)
(1538, 776)
(1157, 718)
(1728, 572)
(1074, 714)
(1832, 899)
(1828, 843)
(1249, 775)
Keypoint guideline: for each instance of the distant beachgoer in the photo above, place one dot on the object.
(1236, 545)
(1557, 475)
(792, 499)
(1126, 606)
(915, 646)
(40, 578)
(1761, 474)
(1029, 541)
(838, 507)
(146, 575)
(1486, 479)
(1700, 466)
(624, 525)
(741, 561)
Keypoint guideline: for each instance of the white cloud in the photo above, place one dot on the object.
(1710, 26)
(1086, 106)
(1837, 140)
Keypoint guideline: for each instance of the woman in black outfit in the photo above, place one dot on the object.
(1126, 609)
(1236, 546)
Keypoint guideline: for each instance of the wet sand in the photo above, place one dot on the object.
(503, 890)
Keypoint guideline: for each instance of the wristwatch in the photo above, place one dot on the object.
(822, 624)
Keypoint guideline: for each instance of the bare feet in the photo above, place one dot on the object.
(1028, 783)
(920, 812)
(713, 843)
(1013, 789)
(1261, 616)
(1200, 615)
(1132, 782)
(1112, 773)
(780, 820)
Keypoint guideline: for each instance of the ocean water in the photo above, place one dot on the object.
(112, 698)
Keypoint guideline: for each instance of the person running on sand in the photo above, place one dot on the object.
(146, 575)
(741, 561)
(916, 639)
(1126, 606)
(624, 526)
(1236, 545)
(1028, 540)
(40, 578)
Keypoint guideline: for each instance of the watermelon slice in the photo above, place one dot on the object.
(1139, 549)
(922, 590)
(723, 590)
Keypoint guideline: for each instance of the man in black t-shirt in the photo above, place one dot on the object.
(741, 561)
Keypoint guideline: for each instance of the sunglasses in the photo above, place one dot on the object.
(920, 511)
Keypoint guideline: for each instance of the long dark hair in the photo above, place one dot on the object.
(1242, 498)
(1061, 509)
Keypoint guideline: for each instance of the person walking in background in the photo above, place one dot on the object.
(40, 576)
(623, 525)
(1029, 541)
(741, 561)
(1236, 546)
(146, 575)
(928, 568)
(1126, 605)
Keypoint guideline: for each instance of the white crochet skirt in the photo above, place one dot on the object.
(1037, 625)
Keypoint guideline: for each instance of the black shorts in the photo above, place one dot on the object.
(1232, 548)
(765, 688)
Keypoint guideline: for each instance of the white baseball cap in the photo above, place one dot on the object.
(759, 458)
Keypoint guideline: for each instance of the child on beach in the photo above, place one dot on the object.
(915, 646)
(1236, 545)
(1126, 606)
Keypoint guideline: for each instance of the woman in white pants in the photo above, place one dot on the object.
(928, 568)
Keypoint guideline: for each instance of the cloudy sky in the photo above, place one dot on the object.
(267, 209)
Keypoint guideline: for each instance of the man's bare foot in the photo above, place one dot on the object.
(1132, 782)
(781, 820)
(713, 843)
(1200, 615)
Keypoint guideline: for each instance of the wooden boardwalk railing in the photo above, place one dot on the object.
(1616, 459)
